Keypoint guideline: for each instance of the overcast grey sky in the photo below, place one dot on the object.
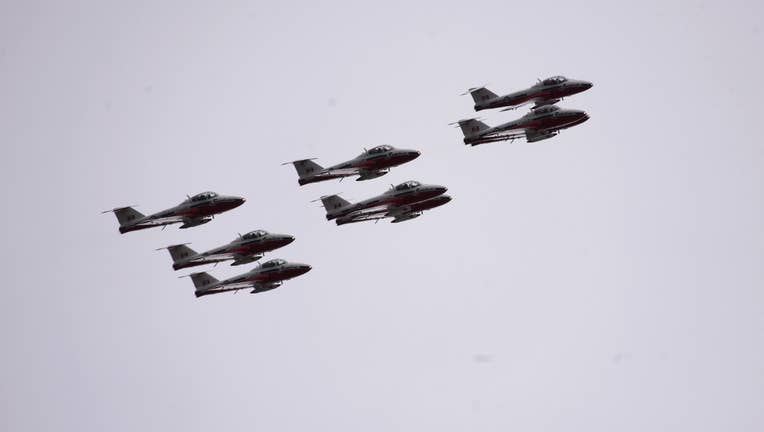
(607, 279)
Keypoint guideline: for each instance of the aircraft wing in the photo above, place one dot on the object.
(376, 213)
(371, 213)
(220, 254)
(342, 171)
(502, 130)
(161, 220)
(212, 258)
(335, 173)
(355, 217)
(371, 210)
(398, 214)
(156, 221)
(236, 286)
(499, 136)
(229, 287)
(537, 103)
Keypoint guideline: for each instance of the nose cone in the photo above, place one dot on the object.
(439, 200)
(237, 201)
(440, 189)
(580, 117)
(406, 155)
(586, 85)
(286, 239)
(303, 268)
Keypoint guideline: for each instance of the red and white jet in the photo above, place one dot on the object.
(397, 213)
(196, 210)
(539, 124)
(546, 92)
(265, 277)
(390, 201)
(243, 250)
(370, 164)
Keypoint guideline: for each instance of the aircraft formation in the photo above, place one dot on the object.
(402, 202)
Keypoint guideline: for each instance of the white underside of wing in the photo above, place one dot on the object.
(215, 256)
(161, 221)
(339, 172)
(230, 287)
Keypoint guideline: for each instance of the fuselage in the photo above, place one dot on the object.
(395, 197)
(370, 164)
(250, 247)
(264, 275)
(558, 119)
(203, 208)
(415, 207)
(242, 246)
(194, 211)
(375, 161)
(541, 91)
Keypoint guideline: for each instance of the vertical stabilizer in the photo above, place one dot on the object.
(472, 127)
(127, 215)
(202, 281)
(481, 95)
(306, 169)
(333, 204)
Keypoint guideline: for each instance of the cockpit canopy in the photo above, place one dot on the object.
(407, 185)
(203, 196)
(554, 80)
(546, 109)
(254, 235)
(380, 149)
(274, 263)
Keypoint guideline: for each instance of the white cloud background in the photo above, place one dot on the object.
(608, 279)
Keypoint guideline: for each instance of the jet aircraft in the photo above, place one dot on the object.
(391, 201)
(368, 165)
(546, 92)
(243, 250)
(539, 124)
(399, 214)
(196, 210)
(270, 275)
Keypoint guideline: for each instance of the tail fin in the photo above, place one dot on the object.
(127, 215)
(472, 127)
(481, 95)
(202, 280)
(306, 168)
(333, 204)
(180, 253)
